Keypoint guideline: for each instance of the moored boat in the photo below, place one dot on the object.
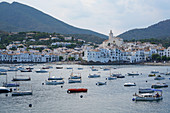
(151, 75)
(93, 76)
(3, 73)
(10, 85)
(75, 76)
(129, 84)
(59, 67)
(21, 93)
(55, 78)
(101, 83)
(146, 90)
(155, 71)
(21, 79)
(159, 85)
(159, 78)
(26, 70)
(41, 71)
(149, 96)
(77, 90)
(133, 74)
(5, 90)
(74, 80)
(111, 78)
(54, 82)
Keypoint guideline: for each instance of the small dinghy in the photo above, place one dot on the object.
(101, 83)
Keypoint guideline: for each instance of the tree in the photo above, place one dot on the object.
(60, 58)
(155, 56)
(164, 58)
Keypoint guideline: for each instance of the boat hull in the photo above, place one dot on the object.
(77, 90)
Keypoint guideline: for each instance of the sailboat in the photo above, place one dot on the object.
(21, 78)
(6, 84)
(22, 93)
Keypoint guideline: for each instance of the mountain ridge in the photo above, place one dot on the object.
(17, 17)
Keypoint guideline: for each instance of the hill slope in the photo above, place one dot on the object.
(17, 17)
(159, 30)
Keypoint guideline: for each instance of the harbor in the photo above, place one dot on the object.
(110, 96)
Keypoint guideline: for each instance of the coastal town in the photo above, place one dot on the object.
(113, 50)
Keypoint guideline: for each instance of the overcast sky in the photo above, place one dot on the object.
(104, 15)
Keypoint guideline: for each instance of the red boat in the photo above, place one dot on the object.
(77, 90)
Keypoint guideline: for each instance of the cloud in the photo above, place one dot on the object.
(103, 15)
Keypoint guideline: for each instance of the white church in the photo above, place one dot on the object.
(112, 41)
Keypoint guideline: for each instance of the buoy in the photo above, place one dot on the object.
(42, 83)
(30, 105)
(15, 89)
(106, 78)
(61, 86)
(133, 99)
(146, 81)
(81, 96)
(6, 95)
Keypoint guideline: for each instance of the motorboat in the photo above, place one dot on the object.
(167, 73)
(54, 82)
(155, 71)
(93, 69)
(41, 71)
(151, 75)
(80, 68)
(10, 85)
(93, 76)
(146, 90)
(159, 78)
(5, 90)
(3, 70)
(20, 68)
(12, 69)
(59, 67)
(106, 69)
(120, 76)
(129, 84)
(74, 80)
(55, 78)
(69, 68)
(77, 90)
(101, 83)
(3, 73)
(111, 78)
(31, 68)
(133, 74)
(21, 79)
(159, 85)
(21, 93)
(26, 70)
(115, 74)
(149, 96)
(47, 67)
(75, 76)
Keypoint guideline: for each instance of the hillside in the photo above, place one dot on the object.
(159, 31)
(16, 17)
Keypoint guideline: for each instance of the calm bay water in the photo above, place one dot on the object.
(110, 98)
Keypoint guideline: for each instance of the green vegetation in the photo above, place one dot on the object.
(157, 57)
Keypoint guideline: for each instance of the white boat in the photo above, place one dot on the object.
(3, 73)
(12, 69)
(93, 76)
(93, 69)
(159, 78)
(21, 78)
(74, 80)
(41, 71)
(155, 71)
(75, 76)
(133, 74)
(146, 90)
(115, 74)
(111, 78)
(129, 84)
(149, 96)
(167, 73)
(80, 68)
(101, 83)
(21, 93)
(54, 82)
(159, 85)
(55, 78)
(5, 90)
